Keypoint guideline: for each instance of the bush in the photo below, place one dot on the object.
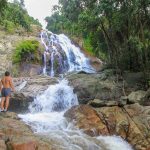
(87, 46)
(26, 51)
(9, 26)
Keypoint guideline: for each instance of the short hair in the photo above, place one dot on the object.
(7, 73)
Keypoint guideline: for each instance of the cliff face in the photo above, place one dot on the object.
(7, 46)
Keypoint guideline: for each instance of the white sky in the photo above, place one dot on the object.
(39, 9)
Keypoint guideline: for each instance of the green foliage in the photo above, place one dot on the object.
(116, 31)
(26, 51)
(15, 14)
(3, 4)
(87, 45)
(9, 26)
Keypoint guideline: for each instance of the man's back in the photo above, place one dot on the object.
(6, 86)
(7, 82)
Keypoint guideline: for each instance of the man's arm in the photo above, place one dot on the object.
(11, 85)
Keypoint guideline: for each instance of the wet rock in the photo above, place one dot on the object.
(87, 119)
(131, 122)
(27, 89)
(15, 135)
(31, 145)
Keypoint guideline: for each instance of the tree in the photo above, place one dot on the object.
(3, 4)
(117, 31)
(14, 15)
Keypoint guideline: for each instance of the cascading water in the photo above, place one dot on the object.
(46, 115)
(61, 56)
(46, 118)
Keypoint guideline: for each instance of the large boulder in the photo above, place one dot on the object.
(128, 122)
(131, 122)
(15, 135)
(136, 97)
(87, 119)
(96, 86)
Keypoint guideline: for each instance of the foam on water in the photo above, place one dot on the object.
(46, 117)
(58, 97)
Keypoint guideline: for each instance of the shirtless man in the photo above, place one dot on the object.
(5, 87)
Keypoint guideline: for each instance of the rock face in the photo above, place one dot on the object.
(97, 90)
(130, 122)
(87, 119)
(96, 86)
(15, 135)
(7, 46)
(105, 89)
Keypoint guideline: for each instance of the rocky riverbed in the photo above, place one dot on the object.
(106, 107)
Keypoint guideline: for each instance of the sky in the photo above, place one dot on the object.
(39, 9)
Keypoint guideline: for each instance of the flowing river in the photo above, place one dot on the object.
(46, 112)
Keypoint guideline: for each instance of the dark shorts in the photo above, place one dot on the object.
(6, 92)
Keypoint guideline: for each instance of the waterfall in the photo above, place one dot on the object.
(46, 117)
(46, 112)
(57, 97)
(61, 55)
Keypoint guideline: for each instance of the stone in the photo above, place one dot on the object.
(2, 145)
(90, 87)
(131, 122)
(31, 145)
(87, 119)
(123, 101)
(101, 103)
(97, 103)
(16, 135)
(136, 97)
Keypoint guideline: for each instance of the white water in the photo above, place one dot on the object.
(63, 55)
(46, 117)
